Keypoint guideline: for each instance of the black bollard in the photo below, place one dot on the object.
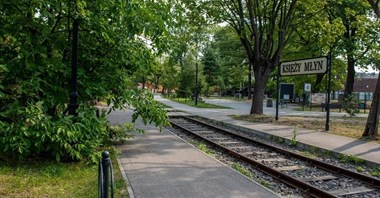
(106, 165)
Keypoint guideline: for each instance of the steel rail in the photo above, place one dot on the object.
(322, 165)
(305, 187)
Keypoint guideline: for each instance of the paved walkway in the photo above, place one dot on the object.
(365, 150)
(157, 164)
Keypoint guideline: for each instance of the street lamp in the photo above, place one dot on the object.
(73, 106)
(365, 98)
(196, 83)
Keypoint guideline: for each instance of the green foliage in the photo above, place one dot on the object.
(351, 159)
(375, 172)
(360, 169)
(264, 182)
(203, 147)
(35, 43)
(34, 133)
(293, 142)
(242, 170)
(210, 68)
(120, 133)
(231, 57)
(350, 105)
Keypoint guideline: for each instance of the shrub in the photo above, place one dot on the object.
(350, 105)
(32, 132)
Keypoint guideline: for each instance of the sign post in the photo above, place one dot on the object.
(306, 93)
(327, 127)
(319, 65)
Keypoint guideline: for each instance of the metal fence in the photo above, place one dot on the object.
(105, 176)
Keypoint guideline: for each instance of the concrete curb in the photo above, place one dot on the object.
(129, 188)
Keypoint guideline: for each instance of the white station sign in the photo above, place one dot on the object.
(302, 67)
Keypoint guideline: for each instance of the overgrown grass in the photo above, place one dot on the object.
(375, 172)
(229, 98)
(351, 159)
(242, 170)
(344, 126)
(40, 178)
(190, 102)
(203, 147)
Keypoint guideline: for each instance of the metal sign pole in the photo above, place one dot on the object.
(278, 90)
(327, 127)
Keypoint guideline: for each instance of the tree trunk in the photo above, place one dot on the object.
(350, 80)
(249, 81)
(259, 90)
(207, 90)
(371, 128)
(258, 98)
(375, 7)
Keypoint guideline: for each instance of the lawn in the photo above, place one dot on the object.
(54, 179)
(344, 126)
(188, 101)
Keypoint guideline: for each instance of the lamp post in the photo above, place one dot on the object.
(196, 83)
(73, 106)
(365, 99)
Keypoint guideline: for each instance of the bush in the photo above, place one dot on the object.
(350, 105)
(120, 133)
(33, 132)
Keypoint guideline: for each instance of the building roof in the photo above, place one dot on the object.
(365, 84)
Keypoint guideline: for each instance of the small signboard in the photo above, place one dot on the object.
(287, 91)
(318, 98)
(307, 87)
(306, 66)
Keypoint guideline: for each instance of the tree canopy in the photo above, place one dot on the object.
(116, 39)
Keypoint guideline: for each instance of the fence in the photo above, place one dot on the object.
(105, 173)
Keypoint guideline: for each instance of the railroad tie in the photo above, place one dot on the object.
(320, 178)
(351, 191)
(288, 168)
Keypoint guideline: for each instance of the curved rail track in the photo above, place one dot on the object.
(282, 164)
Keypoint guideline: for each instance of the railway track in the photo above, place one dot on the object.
(318, 179)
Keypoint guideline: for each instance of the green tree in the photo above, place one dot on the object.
(263, 29)
(35, 42)
(210, 68)
(314, 35)
(231, 57)
(371, 128)
(359, 33)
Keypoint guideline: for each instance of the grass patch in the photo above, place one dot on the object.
(345, 126)
(351, 159)
(190, 102)
(54, 179)
(242, 170)
(375, 172)
(203, 147)
(229, 98)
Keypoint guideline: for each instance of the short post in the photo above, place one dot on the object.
(105, 172)
(105, 165)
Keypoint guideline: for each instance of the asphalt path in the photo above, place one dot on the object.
(244, 107)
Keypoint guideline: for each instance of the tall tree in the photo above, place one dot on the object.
(35, 43)
(372, 125)
(231, 57)
(263, 27)
(356, 40)
(210, 68)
